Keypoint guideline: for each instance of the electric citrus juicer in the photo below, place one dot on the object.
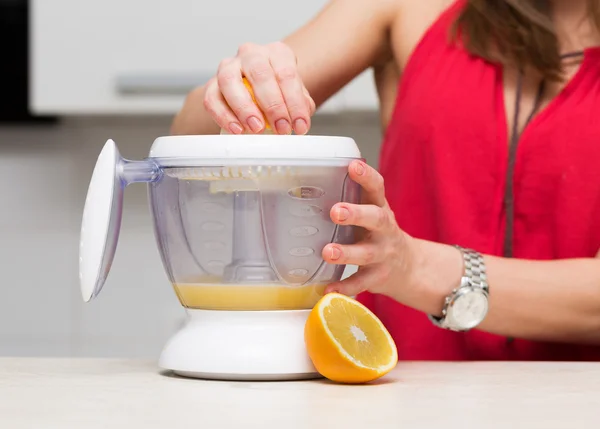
(240, 223)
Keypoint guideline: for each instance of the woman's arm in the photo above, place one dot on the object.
(556, 301)
(538, 300)
(343, 40)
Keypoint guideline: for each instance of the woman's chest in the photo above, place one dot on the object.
(459, 108)
(450, 137)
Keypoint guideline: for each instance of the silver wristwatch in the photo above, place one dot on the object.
(467, 305)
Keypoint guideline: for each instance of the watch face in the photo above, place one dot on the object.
(469, 309)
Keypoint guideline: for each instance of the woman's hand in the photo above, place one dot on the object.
(528, 298)
(383, 252)
(390, 261)
(273, 74)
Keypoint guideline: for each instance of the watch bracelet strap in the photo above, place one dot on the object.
(474, 270)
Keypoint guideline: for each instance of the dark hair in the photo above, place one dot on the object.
(518, 33)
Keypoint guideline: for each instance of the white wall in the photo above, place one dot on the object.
(44, 174)
(141, 57)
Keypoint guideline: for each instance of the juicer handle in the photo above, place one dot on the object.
(102, 214)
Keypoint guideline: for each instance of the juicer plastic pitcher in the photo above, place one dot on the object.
(234, 216)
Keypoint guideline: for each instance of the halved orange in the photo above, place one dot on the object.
(347, 343)
(251, 91)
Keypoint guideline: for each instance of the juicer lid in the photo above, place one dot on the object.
(101, 222)
(253, 147)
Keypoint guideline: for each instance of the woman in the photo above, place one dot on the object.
(491, 144)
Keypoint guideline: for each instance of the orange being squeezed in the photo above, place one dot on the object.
(251, 91)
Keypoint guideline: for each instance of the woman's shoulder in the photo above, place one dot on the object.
(412, 21)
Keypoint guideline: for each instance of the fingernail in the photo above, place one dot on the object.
(255, 124)
(360, 169)
(335, 254)
(235, 128)
(300, 126)
(283, 126)
(342, 214)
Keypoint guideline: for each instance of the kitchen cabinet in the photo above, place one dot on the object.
(140, 57)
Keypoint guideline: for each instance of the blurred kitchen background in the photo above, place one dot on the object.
(73, 74)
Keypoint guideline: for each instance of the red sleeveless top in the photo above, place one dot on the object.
(445, 160)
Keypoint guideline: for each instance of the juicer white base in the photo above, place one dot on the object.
(240, 345)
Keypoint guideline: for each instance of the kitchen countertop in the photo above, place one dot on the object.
(98, 393)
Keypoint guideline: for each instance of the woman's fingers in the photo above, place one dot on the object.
(312, 106)
(237, 97)
(362, 253)
(368, 216)
(284, 63)
(277, 97)
(371, 182)
(217, 107)
(366, 278)
(256, 66)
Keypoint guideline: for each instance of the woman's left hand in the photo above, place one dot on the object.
(388, 258)
(420, 274)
